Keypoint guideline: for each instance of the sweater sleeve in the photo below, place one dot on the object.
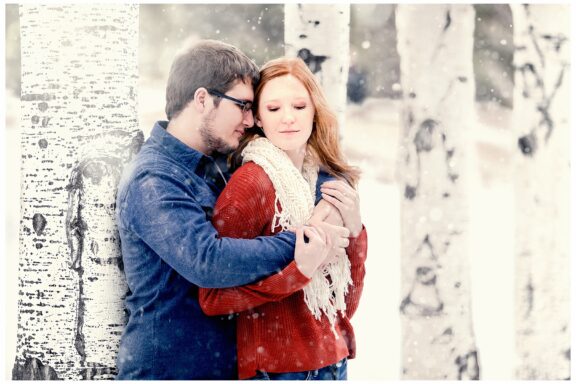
(157, 210)
(215, 301)
(357, 252)
(245, 210)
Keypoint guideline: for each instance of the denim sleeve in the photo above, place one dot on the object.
(160, 211)
(323, 176)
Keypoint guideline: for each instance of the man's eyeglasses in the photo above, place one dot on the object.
(245, 106)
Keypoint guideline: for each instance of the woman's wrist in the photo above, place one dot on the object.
(355, 232)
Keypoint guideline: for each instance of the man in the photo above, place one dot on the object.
(169, 247)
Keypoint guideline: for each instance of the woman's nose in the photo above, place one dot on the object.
(288, 116)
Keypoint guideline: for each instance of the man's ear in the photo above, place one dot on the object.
(200, 99)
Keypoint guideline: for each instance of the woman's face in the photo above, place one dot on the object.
(286, 113)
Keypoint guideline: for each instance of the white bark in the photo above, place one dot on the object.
(541, 121)
(79, 127)
(320, 34)
(435, 45)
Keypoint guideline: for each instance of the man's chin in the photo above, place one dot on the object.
(228, 149)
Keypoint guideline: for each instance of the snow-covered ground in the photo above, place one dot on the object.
(370, 140)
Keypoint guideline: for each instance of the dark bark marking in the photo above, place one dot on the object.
(528, 144)
(423, 138)
(529, 70)
(39, 223)
(76, 228)
(423, 299)
(468, 367)
(303, 36)
(424, 141)
(529, 288)
(106, 260)
(98, 373)
(445, 338)
(79, 341)
(426, 275)
(93, 169)
(448, 21)
(556, 40)
(409, 192)
(426, 242)
(539, 52)
(313, 61)
(94, 247)
(38, 97)
(411, 117)
(43, 106)
(33, 369)
(136, 143)
(43, 143)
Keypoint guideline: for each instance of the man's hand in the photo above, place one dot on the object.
(311, 255)
(338, 237)
(345, 198)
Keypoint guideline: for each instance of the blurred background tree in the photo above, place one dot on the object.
(374, 95)
(258, 30)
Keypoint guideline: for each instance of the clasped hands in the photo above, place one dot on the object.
(334, 220)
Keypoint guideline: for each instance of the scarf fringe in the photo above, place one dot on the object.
(295, 194)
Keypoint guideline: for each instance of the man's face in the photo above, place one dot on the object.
(224, 126)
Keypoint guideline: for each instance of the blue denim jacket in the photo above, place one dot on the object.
(170, 248)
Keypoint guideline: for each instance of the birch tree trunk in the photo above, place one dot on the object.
(435, 45)
(320, 35)
(541, 116)
(79, 127)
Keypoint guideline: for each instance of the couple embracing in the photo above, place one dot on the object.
(253, 276)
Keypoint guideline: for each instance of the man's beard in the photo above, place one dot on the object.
(210, 139)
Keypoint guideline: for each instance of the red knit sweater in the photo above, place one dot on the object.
(276, 332)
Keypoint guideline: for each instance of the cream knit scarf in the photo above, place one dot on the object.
(296, 194)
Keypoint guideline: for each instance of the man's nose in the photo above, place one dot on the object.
(248, 120)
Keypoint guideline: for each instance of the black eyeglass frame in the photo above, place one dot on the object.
(245, 106)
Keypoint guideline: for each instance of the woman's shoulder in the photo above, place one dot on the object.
(253, 175)
(252, 172)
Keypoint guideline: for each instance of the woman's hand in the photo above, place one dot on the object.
(326, 212)
(345, 198)
(311, 255)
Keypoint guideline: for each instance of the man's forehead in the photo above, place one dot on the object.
(243, 87)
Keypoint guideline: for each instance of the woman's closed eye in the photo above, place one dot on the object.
(300, 106)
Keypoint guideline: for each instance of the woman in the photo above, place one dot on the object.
(296, 324)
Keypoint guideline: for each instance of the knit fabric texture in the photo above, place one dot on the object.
(295, 196)
(276, 331)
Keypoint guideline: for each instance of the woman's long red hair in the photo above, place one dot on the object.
(324, 140)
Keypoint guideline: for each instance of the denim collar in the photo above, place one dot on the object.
(189, 157)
